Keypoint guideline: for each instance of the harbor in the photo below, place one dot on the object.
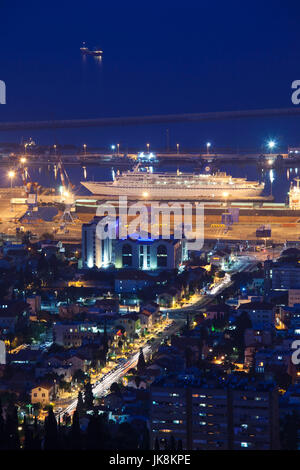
(53, 196)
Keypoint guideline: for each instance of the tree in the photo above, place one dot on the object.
(105, 340)
(141, 361)
(242, 323)
(289, 432)
(172, 443)
(12, 440)
(2, 427)
(114, 388)
(188, 353)
(138, 381)
(28, 434)
(75, 432)
(79, 376)
(51, 434)
(88, 396)
(36, 436)
(179, 445)
(80, 404)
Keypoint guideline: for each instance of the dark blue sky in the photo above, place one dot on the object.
(159, 57)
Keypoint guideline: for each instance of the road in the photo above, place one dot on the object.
(102, 386)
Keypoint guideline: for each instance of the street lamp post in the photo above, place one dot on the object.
(208, 145)
(113, 147)
(11, 175)
(177, 148)
(271, 145)
(148, 147)
(84, 149)
(118, 147)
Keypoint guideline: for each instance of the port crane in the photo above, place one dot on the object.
(67, 194)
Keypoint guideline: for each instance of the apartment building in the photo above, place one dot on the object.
(219, 414)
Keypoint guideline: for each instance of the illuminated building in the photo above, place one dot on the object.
(214, 414)
(72, 334)
(281, 276)
(42, 394)
(149, 254)
(2, 353)
(95, 252)
(140, 253)
(261, 315)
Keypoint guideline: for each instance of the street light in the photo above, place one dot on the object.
(54, 146)
(225, 196)
(271, 145)
(208, 145)
(11, 175)
(148, 147)
(22, 160)
(84, 149)
(113, 147)
(118, 147)
(177, 148)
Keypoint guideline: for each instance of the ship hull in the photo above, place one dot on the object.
(112, 190)
(93, 53)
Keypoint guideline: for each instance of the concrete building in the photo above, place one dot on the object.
(130, 252)
(127, 280)
(255, 418)
(131, 323)
(233, 413)
(258, 338)
(72, 334)
(2, 353)
(95, 252)
(281, 276)
(42, 394)
(294, 297)
(148, 254)
(291, 318)
(35, 303)
(261, 315)
(8, 321)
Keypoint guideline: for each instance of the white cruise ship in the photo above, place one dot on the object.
(137, 184)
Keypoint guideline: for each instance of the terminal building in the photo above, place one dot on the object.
(137, 253)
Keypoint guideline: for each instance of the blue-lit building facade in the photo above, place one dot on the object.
(144, 253)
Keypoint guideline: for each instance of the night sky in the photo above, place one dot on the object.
(159, 57)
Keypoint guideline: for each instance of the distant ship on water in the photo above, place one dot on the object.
(86, 51)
